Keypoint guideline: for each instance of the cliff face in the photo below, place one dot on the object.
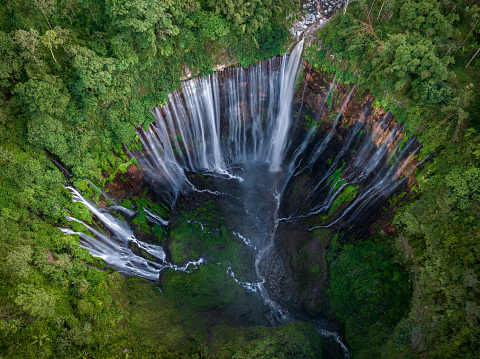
(355, 158)
(360, 155)
(264, 238)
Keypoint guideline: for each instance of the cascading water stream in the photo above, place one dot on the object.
(116, 248)
(235, 127)
(207, 125)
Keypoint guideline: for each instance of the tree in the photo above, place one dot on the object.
(45, 101)
(410, 62)
(137, 21)
(43, 96)
(11, 63)
(249, 16)
(46, 131)
(36, 302)
(29, 42)
(46, 7)
(237, 10)
(17, 262)
(53, 38)
(474, 55)
(211, 25)
(463, 187)
(426, 17)
(139, 15)
(95, 72)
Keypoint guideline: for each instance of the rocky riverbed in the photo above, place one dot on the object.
(313, 15)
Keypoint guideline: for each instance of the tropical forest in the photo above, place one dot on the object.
(240, 179)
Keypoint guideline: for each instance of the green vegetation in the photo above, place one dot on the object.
(419, 59)
(442, 228)
(201, 231)
(370, 293)
(175, 333)
(346, 196)
(140, 220)
(200, 289)
(197, 233)
(412, 58)
(335, 178)
(291, 341)
(76, 79)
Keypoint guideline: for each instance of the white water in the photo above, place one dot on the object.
(155, 218)
(116, 248)
(287, 80)
(116, 254)
(236, 126)
(249, 286)
(211, 124)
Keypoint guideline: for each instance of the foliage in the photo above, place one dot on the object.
(370, 293)
(35, 302)
(407, 54)
(291, 341)
(211, 25)
(418, 59)
(175, 333)
(346, 196)
(463, 187)
(200, 289)
(442, 228)
(201, 232)
(76, 79)
(84, 75)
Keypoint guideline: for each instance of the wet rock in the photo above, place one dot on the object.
(130, 183)
(315, 15)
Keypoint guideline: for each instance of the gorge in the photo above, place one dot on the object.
(239, 179)
(276, 164)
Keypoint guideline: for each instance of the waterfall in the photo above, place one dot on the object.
(211, 124)
(115, 248)
(235, 128)
(287, 88)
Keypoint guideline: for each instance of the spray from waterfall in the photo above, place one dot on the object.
(235, 127)
(212, 124)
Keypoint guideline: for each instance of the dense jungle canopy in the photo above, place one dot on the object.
(78, 76)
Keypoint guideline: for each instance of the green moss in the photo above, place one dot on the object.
(141, 220)
(370, 293)
(295, 341)
(201, 288)
(127, 204)
(315, 270)
(396, 197)
(348, 194)
(121, 168)
(299, 260)
(321, 234)
(189, 241)
(334, 178)
(156, 327)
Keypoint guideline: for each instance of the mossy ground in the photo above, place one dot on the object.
(159, 327)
